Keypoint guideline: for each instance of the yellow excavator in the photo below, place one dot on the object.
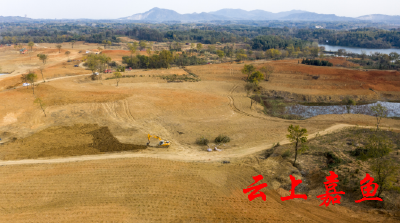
(161, 144)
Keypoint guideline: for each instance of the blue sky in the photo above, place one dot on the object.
(105, 9)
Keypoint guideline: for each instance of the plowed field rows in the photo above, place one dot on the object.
(148, 190)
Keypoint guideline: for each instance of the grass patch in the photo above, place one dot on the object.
(276, 107)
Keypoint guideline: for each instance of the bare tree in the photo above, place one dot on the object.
(42, 105)
(117, 76)
(267, 71)
(24, 78)
(379, 112)
(41, 69)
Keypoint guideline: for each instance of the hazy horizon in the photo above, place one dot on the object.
(101, 9)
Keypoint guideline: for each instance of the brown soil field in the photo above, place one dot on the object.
(295, 81)
(154, 190)
(56, 141)
(188, 184)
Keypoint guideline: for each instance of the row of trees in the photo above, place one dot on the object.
(162, 59)
(363, 37)
(262, 38)
(317, 62)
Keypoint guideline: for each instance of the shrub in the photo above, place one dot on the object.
(333, 160)
(113, 64)
(252, 87)
(222, 139)
(287, 153)
(202, 141)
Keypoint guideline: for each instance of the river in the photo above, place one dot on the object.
(358, 50)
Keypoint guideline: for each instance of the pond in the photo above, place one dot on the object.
(393, 109)
(359, 50)
(2, 74)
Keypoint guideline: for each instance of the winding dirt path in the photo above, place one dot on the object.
(193, 156)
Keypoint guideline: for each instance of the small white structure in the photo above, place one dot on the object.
(26, 84)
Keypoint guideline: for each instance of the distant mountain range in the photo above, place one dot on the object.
(165, 15)
(14, 19)
(380, 18)
(162, 15)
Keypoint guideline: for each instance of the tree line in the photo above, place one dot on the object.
(259, 37)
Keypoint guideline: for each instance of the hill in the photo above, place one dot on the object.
(381, 18)
(311, 16)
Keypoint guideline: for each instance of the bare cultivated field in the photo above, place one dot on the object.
(152, 190)
(93, 136)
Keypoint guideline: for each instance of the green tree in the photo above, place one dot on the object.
(31, 44)
(93, 62)
(132, 48)
(378, 146)
(379, 112)
(211, 48)
(290, 49)
(104, 60)
(314, 51)
(267, 71)
(256, 77)
(106, 42)
(273, 53)
(248, 69)
(72, 43)
(67, 53)
(59, 46)
(220, 54)
(142, 44)
(385, 169)
(199, 47)
(32, 77)
(386, 172)
(117, 76)
(241, 56)
(192, 46)
(298, 137)
(41, 104)
(43, 58)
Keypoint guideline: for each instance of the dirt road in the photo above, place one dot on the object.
(198, 156)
